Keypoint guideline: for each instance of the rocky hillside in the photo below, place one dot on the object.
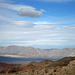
(7, 66)
(64, 66)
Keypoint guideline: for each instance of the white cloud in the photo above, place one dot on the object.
(21, 23)
(43, 23)
(22, 10)
(43, 10)
(7, 22)
(30, 12)
(64, 21)
(16, 7)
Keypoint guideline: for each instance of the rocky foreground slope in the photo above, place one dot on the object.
(64, 66)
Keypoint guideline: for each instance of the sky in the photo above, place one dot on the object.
(37, 23)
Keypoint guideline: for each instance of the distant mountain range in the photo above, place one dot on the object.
(30, 52)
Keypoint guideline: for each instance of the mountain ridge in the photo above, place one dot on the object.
(30, 52)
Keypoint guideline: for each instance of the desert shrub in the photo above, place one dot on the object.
(50, 74)
(33, 70)
(37, 72)
(46, 71)
(54, 70)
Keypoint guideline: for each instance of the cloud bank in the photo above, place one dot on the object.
(27, 33)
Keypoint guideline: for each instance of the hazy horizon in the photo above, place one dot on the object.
(37, 47)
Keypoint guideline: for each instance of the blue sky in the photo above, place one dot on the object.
(37, 23)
